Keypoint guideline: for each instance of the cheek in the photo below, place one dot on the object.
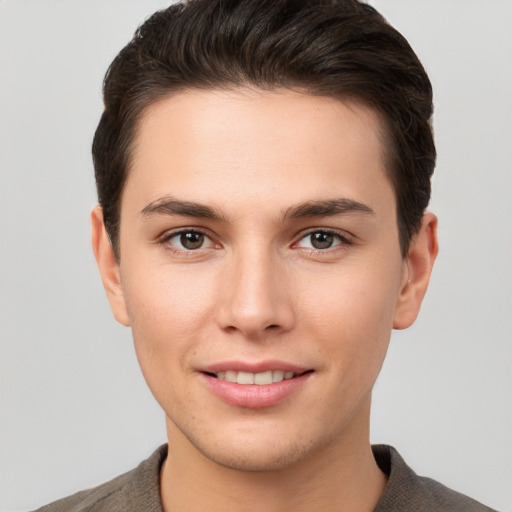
(167, 310)
(166, 297)
(352, 321)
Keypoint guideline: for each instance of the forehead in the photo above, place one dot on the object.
(250, 145)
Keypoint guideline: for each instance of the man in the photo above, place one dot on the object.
(263, 170)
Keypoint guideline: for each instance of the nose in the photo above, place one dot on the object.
(255, 299)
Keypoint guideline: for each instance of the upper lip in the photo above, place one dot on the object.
(254, 367)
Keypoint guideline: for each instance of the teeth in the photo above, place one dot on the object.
(263, 378)
(231, 376)
(260, 379)
(278, 376)
(245, 378)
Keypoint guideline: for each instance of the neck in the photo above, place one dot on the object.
(342, 476)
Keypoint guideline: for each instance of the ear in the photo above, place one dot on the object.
(420, 259)
(108, 266)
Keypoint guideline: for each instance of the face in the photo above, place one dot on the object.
(260, 271)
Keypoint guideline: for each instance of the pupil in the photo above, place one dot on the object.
(321, 240)
(191, 240)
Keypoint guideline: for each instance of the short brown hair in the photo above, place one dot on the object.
(337, 48)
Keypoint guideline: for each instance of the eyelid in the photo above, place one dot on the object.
(344, 238)
(165, 238)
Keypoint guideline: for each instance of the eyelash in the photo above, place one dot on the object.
(165, 240)
(343, 240)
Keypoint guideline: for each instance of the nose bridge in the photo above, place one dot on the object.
(254, 299)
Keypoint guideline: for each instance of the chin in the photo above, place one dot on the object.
(268, 449)
(257, 460)
(259, 441)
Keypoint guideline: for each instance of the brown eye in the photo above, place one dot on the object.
(191, 240)
(188, 241)
(321, 240)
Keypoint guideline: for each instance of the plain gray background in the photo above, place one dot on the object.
(74, 408)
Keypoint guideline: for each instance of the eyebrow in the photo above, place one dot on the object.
(171, 206)
(309, 209)
(327, 208)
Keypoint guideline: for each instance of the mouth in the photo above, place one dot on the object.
(260, 379)
(267, 385)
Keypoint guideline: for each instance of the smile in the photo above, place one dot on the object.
(260, 379)
(257, 389)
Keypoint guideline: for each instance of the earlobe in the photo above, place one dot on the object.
(108, 266)
(419, 262)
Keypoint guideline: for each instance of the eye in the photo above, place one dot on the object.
(189, 240)
(322, 240)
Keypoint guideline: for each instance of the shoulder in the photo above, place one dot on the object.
(137, 490)
(407, 491)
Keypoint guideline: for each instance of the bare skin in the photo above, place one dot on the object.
(259, 233)
(353, 483)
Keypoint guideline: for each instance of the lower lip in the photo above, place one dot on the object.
(254, 396)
